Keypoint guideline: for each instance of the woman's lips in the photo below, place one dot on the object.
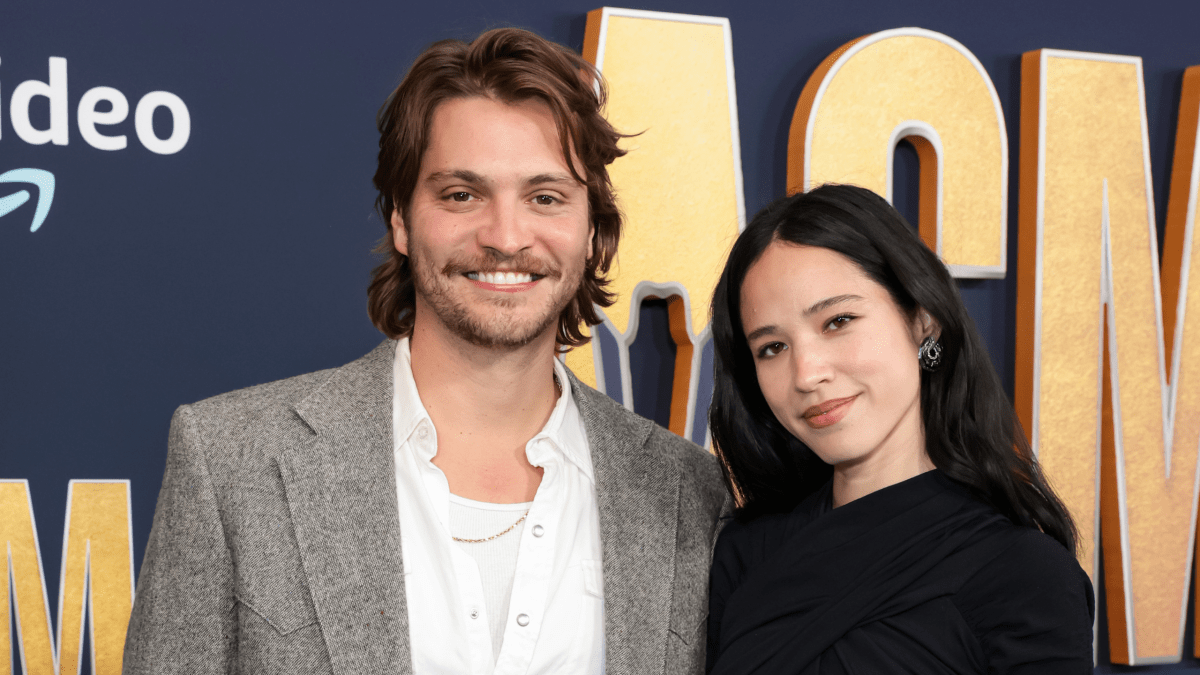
(829, 412)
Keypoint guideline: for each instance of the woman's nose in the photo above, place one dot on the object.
(811, 368)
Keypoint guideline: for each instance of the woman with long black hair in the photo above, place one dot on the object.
(892, 518)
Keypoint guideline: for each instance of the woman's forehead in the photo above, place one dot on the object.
(807, 271)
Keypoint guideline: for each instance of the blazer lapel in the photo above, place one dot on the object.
(638, 495)
(341, 490)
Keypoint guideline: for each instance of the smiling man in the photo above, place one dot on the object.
(455, 501)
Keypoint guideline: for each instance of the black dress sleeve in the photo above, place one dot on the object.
(741, 547)
(1031, 609)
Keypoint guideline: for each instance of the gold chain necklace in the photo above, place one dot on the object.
(558, 389)
(499, 534)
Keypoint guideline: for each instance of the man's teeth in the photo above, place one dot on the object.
(501, 278)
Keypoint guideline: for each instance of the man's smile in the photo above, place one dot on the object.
(502, 278)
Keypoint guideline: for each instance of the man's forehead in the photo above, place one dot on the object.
(466, 131)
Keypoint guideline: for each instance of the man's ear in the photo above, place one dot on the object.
(399, 232)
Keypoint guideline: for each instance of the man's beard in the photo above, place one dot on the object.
(487, 323)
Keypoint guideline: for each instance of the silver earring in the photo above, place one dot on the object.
(929, 355)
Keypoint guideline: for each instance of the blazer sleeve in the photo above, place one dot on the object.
(728, 567)
(183, 617)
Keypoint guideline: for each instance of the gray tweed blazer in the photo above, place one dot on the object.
(276, 542)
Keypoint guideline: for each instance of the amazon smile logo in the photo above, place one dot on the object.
(102, 117)
(42, 180)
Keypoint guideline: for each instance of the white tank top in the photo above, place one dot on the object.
(496, 559)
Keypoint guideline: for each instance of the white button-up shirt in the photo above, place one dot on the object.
(555, 620)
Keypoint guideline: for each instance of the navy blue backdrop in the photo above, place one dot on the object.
(158, 280)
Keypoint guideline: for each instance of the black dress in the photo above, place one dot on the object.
(915, 578)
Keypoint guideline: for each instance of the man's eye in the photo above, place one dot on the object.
(460, 196)
(544, 200)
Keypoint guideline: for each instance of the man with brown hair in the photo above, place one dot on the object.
(455, 501)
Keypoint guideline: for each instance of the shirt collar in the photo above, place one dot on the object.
(563, 433)
(408, 413)
(565, 427)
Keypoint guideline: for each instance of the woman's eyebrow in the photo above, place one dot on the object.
(816, 307)
(759, 332)
(822, 305)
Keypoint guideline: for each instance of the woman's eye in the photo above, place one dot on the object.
(839, 322)
(770, 349)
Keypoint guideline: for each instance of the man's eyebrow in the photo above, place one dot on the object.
(470, 177)
(830, 302)
(551, 178)
(458, 174)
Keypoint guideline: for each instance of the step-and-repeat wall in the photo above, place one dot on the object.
(185, 209)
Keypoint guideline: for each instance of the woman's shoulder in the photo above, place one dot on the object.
(1021, 560)
(1031, 602)
(1031, 561)
(745, 542)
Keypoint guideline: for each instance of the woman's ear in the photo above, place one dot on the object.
(925, 326)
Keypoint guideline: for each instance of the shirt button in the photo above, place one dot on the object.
(522, 620)
(423, 432)
(538, 530)
(474, 614)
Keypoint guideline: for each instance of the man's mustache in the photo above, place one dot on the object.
(493, 261)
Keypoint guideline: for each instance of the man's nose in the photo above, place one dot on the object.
(505, 228)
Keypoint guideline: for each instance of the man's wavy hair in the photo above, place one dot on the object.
(512, 66)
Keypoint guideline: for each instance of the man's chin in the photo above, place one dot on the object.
(500, 333)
